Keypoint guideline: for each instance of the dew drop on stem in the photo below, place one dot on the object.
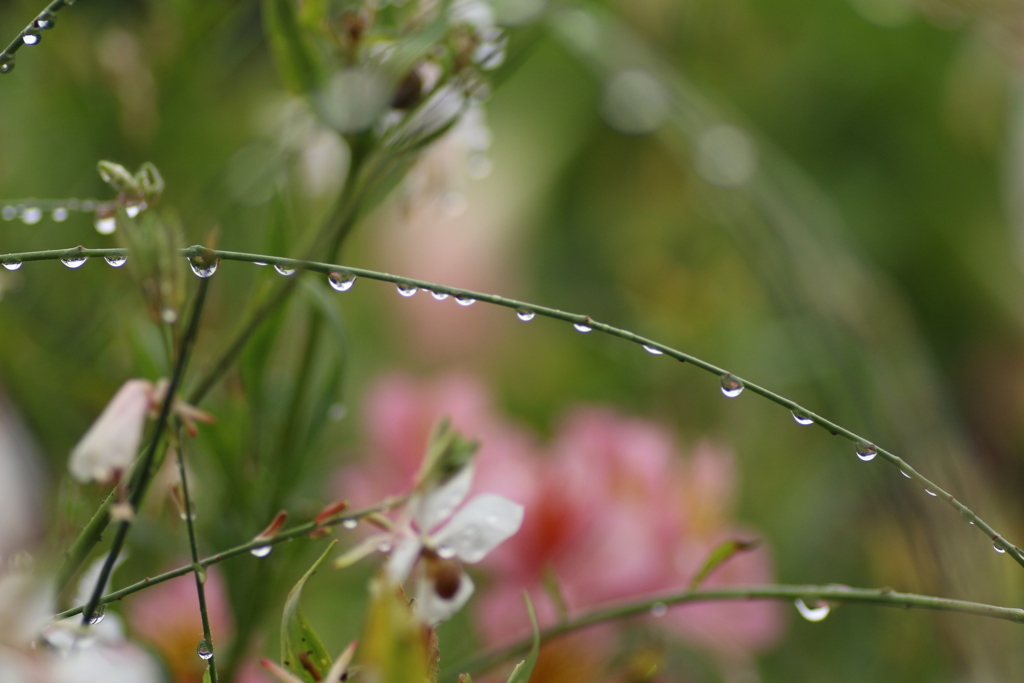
(998, 549)
(930, 492)
(866, 451)
(115, 261)
(204, 649)
(59, 215)
(440, 296)
(653, 351)
(12, 264)
(9, 213)
(341, 282)
(281, 270)
(465, 300)
(74, 262)
(97, 615)
(6, 65)
(812, 613)
(659, 609)
(202, 267)
(731, 387)
(406, 290)
(525, 314)
(580, 327)
(260, 551)
(32, 36)
(802, 419)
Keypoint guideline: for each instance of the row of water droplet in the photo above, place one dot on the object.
(72, 262)
(105, 221)
(32, 35)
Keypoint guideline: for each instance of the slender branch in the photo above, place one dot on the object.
(286, 535)
(143, 474)
(43, 21)
(651, 345)
(199, 572)
(884, 597)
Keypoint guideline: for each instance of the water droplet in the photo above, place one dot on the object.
(134, 210)
(440, 296)
(281, 270)
(201, 267)
(653, 351)
(115, 261)
(905, 474)
(866, 451)
(445, 552)
(204, 650)
(31, 215)
(258, 263)
(74, 262)
(59, 215)
(930, 492)
(260, 551)
(350, 524)
(465, 300)
(12, 264)
(731, 387)
(998, 549)
(97, 615)
(802, 419)
(6, 64)
(341, 282)
(406, 290)
(106, 225)
(9, 213)
(659, 609)
(525, 315)
(812, 613)
(580, 327)
(45, 21)
(32, 36)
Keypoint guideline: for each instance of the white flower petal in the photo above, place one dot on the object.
(112, 441)
(432, 609)
(364, 548)
(438, 505)
(482, 524)
(403, 557)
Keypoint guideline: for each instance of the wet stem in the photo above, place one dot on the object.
(144, 472)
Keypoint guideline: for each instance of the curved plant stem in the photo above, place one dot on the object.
(199, 572)
(143, 473)
(286, 535)
(884, 597)
(859, 441)
(19, 40)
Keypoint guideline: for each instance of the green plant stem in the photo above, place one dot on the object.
(966, 513)
(143, 473)
(884, 597)
(286, 535)
(199, 572)
(19, 40)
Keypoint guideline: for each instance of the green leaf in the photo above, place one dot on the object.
(301, 650)
(523, 670)
(206, 675)
(392, 648)
(719, 555)
(296, 58)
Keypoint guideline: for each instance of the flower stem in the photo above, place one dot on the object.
(287, 535)
(884, 597)
(143, 473)
(833, 428)
(199, 572)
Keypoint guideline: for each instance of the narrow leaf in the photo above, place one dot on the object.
(296, 59)
(303, 653)
(523, 670)
(718, 556)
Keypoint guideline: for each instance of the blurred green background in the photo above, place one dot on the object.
(852, 237)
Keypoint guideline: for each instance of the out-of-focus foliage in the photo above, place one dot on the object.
(823, 195)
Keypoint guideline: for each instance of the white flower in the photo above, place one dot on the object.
(432, 542)
(112, 442)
